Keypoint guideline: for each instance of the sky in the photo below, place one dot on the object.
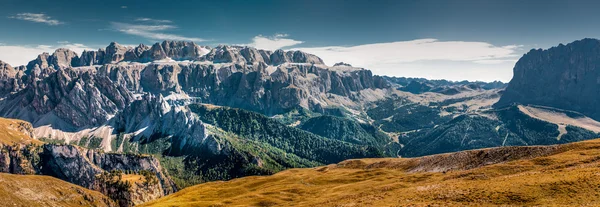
(436, 39)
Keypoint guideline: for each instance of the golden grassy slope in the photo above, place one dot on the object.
(14, 131)
(564, 175)
(37, 190)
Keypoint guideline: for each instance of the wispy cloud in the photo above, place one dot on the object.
(37, 17)
(143, 19)
(151, 31)
(22, 54)
(430, 58)
(274, 42)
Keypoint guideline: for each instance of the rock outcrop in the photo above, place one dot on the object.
(84, 167)
(11, 79)
(565, 77)
(77, 97)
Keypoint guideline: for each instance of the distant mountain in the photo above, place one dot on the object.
(565, 77)
(422, 85)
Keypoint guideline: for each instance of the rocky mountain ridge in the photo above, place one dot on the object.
(174, 50)
(565, 77)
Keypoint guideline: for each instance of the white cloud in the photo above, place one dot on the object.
(16, 55)
(429, 58)
(37, 17)
(152, 32)
(275, 42)
(153, 20)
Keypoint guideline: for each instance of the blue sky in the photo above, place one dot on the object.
(462, 39)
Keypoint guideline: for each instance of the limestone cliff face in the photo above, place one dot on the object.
(11, 79)
(76, 97)
(53, 91)
(566, 77)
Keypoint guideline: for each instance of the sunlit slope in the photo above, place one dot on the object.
(37, 190)
(16, 131)
(558, 175)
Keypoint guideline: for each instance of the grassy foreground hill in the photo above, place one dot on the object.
(37, 190)
(555, 175)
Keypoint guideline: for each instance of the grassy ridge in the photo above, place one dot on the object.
(557, 175)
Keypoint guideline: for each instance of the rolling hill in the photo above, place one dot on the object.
(36, 190)
(554, 175)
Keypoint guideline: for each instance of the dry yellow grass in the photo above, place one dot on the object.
(133, 178)
(13, 131)
(565, 175)
(37, 190)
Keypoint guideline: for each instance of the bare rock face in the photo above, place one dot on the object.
(156, 52)
(114, 53)
(302, 57)
(252, 55)
(63, 58)
(224, 54)
(279, 57)
(152, 115)
(41, 61)
(11, 79)
(179, 50)
(91, 58)
(83, 167)
(79, 98)
(565, 77)
(161, 78)
(136, 53)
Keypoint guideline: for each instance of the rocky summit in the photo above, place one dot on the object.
(564, 77)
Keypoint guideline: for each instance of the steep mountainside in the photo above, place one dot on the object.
(223, 143)
(67, 96)
(564, 77)
(346, 129)
(82, 167)
(556, 175)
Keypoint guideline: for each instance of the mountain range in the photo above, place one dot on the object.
(139, 123)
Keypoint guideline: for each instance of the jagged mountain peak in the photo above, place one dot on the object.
(115, 53)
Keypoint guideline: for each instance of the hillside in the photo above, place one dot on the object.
(13, 131)
(558, 175)
(35, 190)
